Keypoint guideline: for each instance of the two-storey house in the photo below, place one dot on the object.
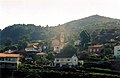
(9, 61)
(66, 59)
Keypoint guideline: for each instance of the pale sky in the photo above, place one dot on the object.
(54, 12)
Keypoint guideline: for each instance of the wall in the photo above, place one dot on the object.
(117, 51)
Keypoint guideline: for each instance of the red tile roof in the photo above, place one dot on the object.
(41, 53)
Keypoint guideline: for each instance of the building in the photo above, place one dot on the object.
(58, 43)
(41, 58)
(95, 49)
(66, 59)
(77, 42)
(117, 51)
(9, 61)
(41, 54)
(31, 48)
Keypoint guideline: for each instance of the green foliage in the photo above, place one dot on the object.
(69, 48)
(85, 39)
(12, 47)
(22, 44)
(83, 55)
(2, 47)
(50, 55)
(17, 31)
(8, 42)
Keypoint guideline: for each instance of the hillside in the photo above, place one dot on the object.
(93, 24)
(94, 19)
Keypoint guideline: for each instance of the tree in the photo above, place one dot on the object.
(85, 39)
(69, 48)
(83, 54)
(22, 44)
(50, 55)
(8, 42)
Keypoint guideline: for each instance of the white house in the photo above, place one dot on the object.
(66, 59)
(9, 61)
(117, 51)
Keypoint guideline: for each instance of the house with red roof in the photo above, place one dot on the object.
(95, 48)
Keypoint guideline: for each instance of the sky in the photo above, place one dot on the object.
(54, 12)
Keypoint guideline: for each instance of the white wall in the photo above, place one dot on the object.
(74, 60)
(117, 51)
(30, 49)
(64, 61)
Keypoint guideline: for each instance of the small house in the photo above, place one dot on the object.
(95, 49)
(66, 59)
(31, 48)
(117, 51)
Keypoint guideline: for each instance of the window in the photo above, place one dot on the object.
(90, 50)
(97, 49)
(93, 50)
(57, 59)
(74, 59)
(68, 59)
(67, 64)
(13, 59)
(2, 59)
(9, 59)
(57, 47)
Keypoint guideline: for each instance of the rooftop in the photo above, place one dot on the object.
(41, 53)
(9, 55)
(65, 54)
(32, 46)
(96, 46)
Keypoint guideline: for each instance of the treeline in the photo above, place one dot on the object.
(17, 32)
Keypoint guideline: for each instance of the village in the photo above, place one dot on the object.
(61, 55)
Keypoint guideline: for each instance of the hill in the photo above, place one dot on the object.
(94, 19)
(91, 20)
(93, 24)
